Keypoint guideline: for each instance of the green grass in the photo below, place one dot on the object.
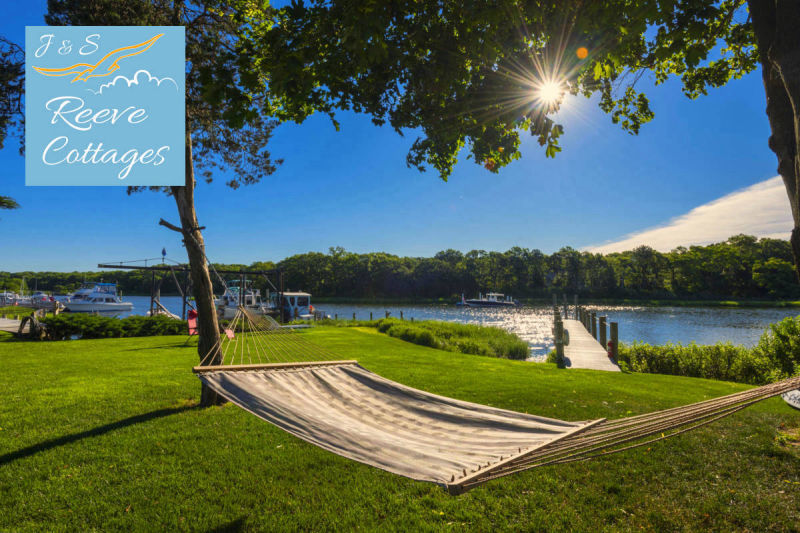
(105, 435)
(15, 310)
(449, 336)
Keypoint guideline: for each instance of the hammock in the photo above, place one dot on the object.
(348, 410)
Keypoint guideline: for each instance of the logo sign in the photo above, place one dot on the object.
(104, 105)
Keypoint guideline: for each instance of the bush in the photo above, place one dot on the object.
(722, 361)
(86, 326)
(780, 345)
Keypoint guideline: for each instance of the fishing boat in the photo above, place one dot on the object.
(229, 302)
(295, 305)
(100, 298)
(491, 299)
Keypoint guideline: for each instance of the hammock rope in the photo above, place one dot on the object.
(307, 390)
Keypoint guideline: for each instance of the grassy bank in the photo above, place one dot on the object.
(105, 435)
(447, 336)
(11, 310)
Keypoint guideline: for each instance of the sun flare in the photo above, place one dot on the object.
(549, 92)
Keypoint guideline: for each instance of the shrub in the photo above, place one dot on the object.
(722, 361)
(780, 345)
(86, 326)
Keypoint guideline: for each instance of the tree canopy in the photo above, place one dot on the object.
(743, 267)
(480, 74)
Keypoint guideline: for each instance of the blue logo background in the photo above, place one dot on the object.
(118, 120)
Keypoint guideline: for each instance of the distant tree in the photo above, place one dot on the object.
(776, 277)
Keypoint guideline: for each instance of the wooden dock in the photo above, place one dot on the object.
(584, 351)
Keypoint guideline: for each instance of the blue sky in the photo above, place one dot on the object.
(352, 189)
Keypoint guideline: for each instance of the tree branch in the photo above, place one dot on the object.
(173, 227)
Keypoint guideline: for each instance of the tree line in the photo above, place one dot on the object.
(742, 267)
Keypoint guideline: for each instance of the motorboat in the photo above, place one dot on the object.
(491, 299)
(234, 296)
(8, 298)
(42, 300)
(295, 305)
(101, 298)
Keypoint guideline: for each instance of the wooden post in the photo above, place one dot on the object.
(370, 316)
(614, 340)
(594, 325)
(354, 317)
(558, 334)
(401, 315)
(603, 332)
(387, 314)
(564, 304)
(412, 319)
(555, 300)
(336, 316)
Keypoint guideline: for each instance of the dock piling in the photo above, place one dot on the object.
(594, 325)
(558, 337)
(602, 333)
(614, 340)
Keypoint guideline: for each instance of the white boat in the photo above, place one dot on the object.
(101, 298)
(229, 302)
(42, 300)
(492, 299)
(8, 298)
(296, 305)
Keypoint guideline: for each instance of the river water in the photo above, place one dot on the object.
(654, 325)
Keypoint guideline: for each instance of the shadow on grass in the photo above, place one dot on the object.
(230, 527)
(162, 347)
(101, 430)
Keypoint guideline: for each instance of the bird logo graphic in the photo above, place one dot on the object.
(107, 64)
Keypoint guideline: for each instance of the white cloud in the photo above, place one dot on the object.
(134, 80)
(761, 210)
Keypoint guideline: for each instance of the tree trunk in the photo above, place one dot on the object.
(776, 24)
(207, 325)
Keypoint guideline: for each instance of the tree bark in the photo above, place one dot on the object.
(207, 325)
(776, 23)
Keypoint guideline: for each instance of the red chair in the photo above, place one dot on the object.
(191, 318)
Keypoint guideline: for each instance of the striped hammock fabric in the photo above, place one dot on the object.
(350, 411)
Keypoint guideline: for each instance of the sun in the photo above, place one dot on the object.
(549, 92)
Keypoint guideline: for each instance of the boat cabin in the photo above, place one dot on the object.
(296, 304)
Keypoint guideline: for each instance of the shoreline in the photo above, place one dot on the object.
(726, 303)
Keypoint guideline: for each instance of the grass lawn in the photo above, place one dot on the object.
(106, 435)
